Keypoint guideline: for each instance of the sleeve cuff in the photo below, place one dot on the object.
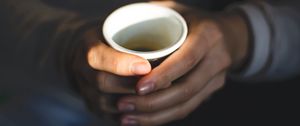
(260, 30)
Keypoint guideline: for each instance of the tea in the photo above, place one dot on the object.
(143, 45)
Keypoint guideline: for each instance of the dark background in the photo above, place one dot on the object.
(243, 104)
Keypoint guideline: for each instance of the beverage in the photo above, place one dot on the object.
(145, 43)
(145, 46)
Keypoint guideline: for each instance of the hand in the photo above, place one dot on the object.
(101, 71)
(185, 79)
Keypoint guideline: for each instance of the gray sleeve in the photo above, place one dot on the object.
(275, 43)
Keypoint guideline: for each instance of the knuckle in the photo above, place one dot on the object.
(92, 59)
(144, 104)
(216, 32)
(115, 66)
(95, 57)
(191, 60)
(162, 81)
(148, 105)
(212, 31)
(122, 64)
(226, 61)
(187, 92)
(211, 27)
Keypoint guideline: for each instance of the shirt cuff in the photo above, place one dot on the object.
(260, 32)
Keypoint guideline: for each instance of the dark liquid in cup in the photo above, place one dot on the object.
(143, 45)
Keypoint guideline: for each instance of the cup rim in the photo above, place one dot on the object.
(151, 55)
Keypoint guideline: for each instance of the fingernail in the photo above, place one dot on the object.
(126, 107)
(140, 68)
(129, 121)
(146, 88)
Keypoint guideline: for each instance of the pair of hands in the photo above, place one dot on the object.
(172, 90)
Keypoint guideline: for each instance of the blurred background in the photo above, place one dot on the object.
(32, 98)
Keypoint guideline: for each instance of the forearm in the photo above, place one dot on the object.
(274, 29)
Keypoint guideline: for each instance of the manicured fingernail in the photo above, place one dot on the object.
(129, 121)
(146, 88)
(126, 107)
(141, 68)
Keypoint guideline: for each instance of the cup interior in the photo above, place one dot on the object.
(149, 35)
(144, 28)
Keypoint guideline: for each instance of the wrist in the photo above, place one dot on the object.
(236, 37)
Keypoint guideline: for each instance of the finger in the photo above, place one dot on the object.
(182, 61)
(98, 102)
(111, 83)
(175, 113)
(104, 58)
(107, 103)
(181, 92)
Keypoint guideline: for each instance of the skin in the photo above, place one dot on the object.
(216, 43)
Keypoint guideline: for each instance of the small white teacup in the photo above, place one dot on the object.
(146, 30)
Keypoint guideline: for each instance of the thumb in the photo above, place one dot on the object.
(102, 57)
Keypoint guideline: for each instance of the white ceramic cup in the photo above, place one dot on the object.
(148, 24)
